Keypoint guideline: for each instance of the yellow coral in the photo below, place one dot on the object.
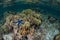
(37, 15)
(11, 22)
(28, 11)
(27, 24)
(22, 15)
(23, 31)
(37, 21)
(32, 31)
(16, 17)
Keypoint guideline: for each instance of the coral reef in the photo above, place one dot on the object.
(23, 24)
(29, 25)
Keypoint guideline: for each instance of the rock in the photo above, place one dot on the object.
(24, 38)
(52, 19)
(57, 37)
(51, 33)
(1, 38)
(8, 37)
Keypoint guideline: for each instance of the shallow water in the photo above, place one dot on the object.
(46, 9)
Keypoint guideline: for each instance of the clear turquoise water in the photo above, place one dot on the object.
(43, 8)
